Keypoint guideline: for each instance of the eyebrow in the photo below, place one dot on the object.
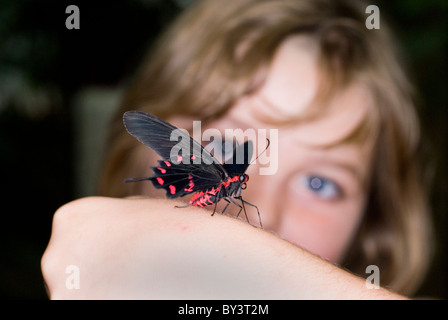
(353, 170)
(330, 160)
(354, 136)
(347, 167)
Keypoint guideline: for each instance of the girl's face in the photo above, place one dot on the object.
(316, 197)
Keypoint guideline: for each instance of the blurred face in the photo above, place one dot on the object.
(316, 197)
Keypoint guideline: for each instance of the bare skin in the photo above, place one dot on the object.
(147, 249)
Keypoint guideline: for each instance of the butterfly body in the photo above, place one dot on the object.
(171, 178)
(229, 188)
(195, 171)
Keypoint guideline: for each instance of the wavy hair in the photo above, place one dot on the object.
(220, 50)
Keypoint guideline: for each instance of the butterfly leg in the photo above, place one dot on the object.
(225, 208)
(214, 209)
(182, 206)
(252, 205)
(241, 209)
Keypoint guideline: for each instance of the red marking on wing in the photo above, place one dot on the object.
(172, 189)
(190, 186)
(193, 157)
(160, 180)
(168, 164)
(179, 158)
(162, 170)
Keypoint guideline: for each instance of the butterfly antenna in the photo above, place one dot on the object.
(269, 142)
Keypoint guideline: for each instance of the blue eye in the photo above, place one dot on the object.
(221, 151)
(227, 150)
(322, 187)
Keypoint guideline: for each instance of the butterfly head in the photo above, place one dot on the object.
(243, 180)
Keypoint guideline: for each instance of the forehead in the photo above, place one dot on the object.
(290, 92)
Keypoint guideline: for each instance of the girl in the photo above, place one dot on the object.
(347, 188)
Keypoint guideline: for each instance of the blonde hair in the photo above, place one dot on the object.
(220, 50)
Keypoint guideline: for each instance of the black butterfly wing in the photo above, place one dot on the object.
(240, 159)
(178, 178)
(156, 134)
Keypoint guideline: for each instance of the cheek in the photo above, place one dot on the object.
(326, 233)
(325, 230)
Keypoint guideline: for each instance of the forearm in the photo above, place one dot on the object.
(232, 260)
(149, 249)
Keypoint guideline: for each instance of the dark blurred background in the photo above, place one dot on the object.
(59, 87)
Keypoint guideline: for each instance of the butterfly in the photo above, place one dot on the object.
(195, 171)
